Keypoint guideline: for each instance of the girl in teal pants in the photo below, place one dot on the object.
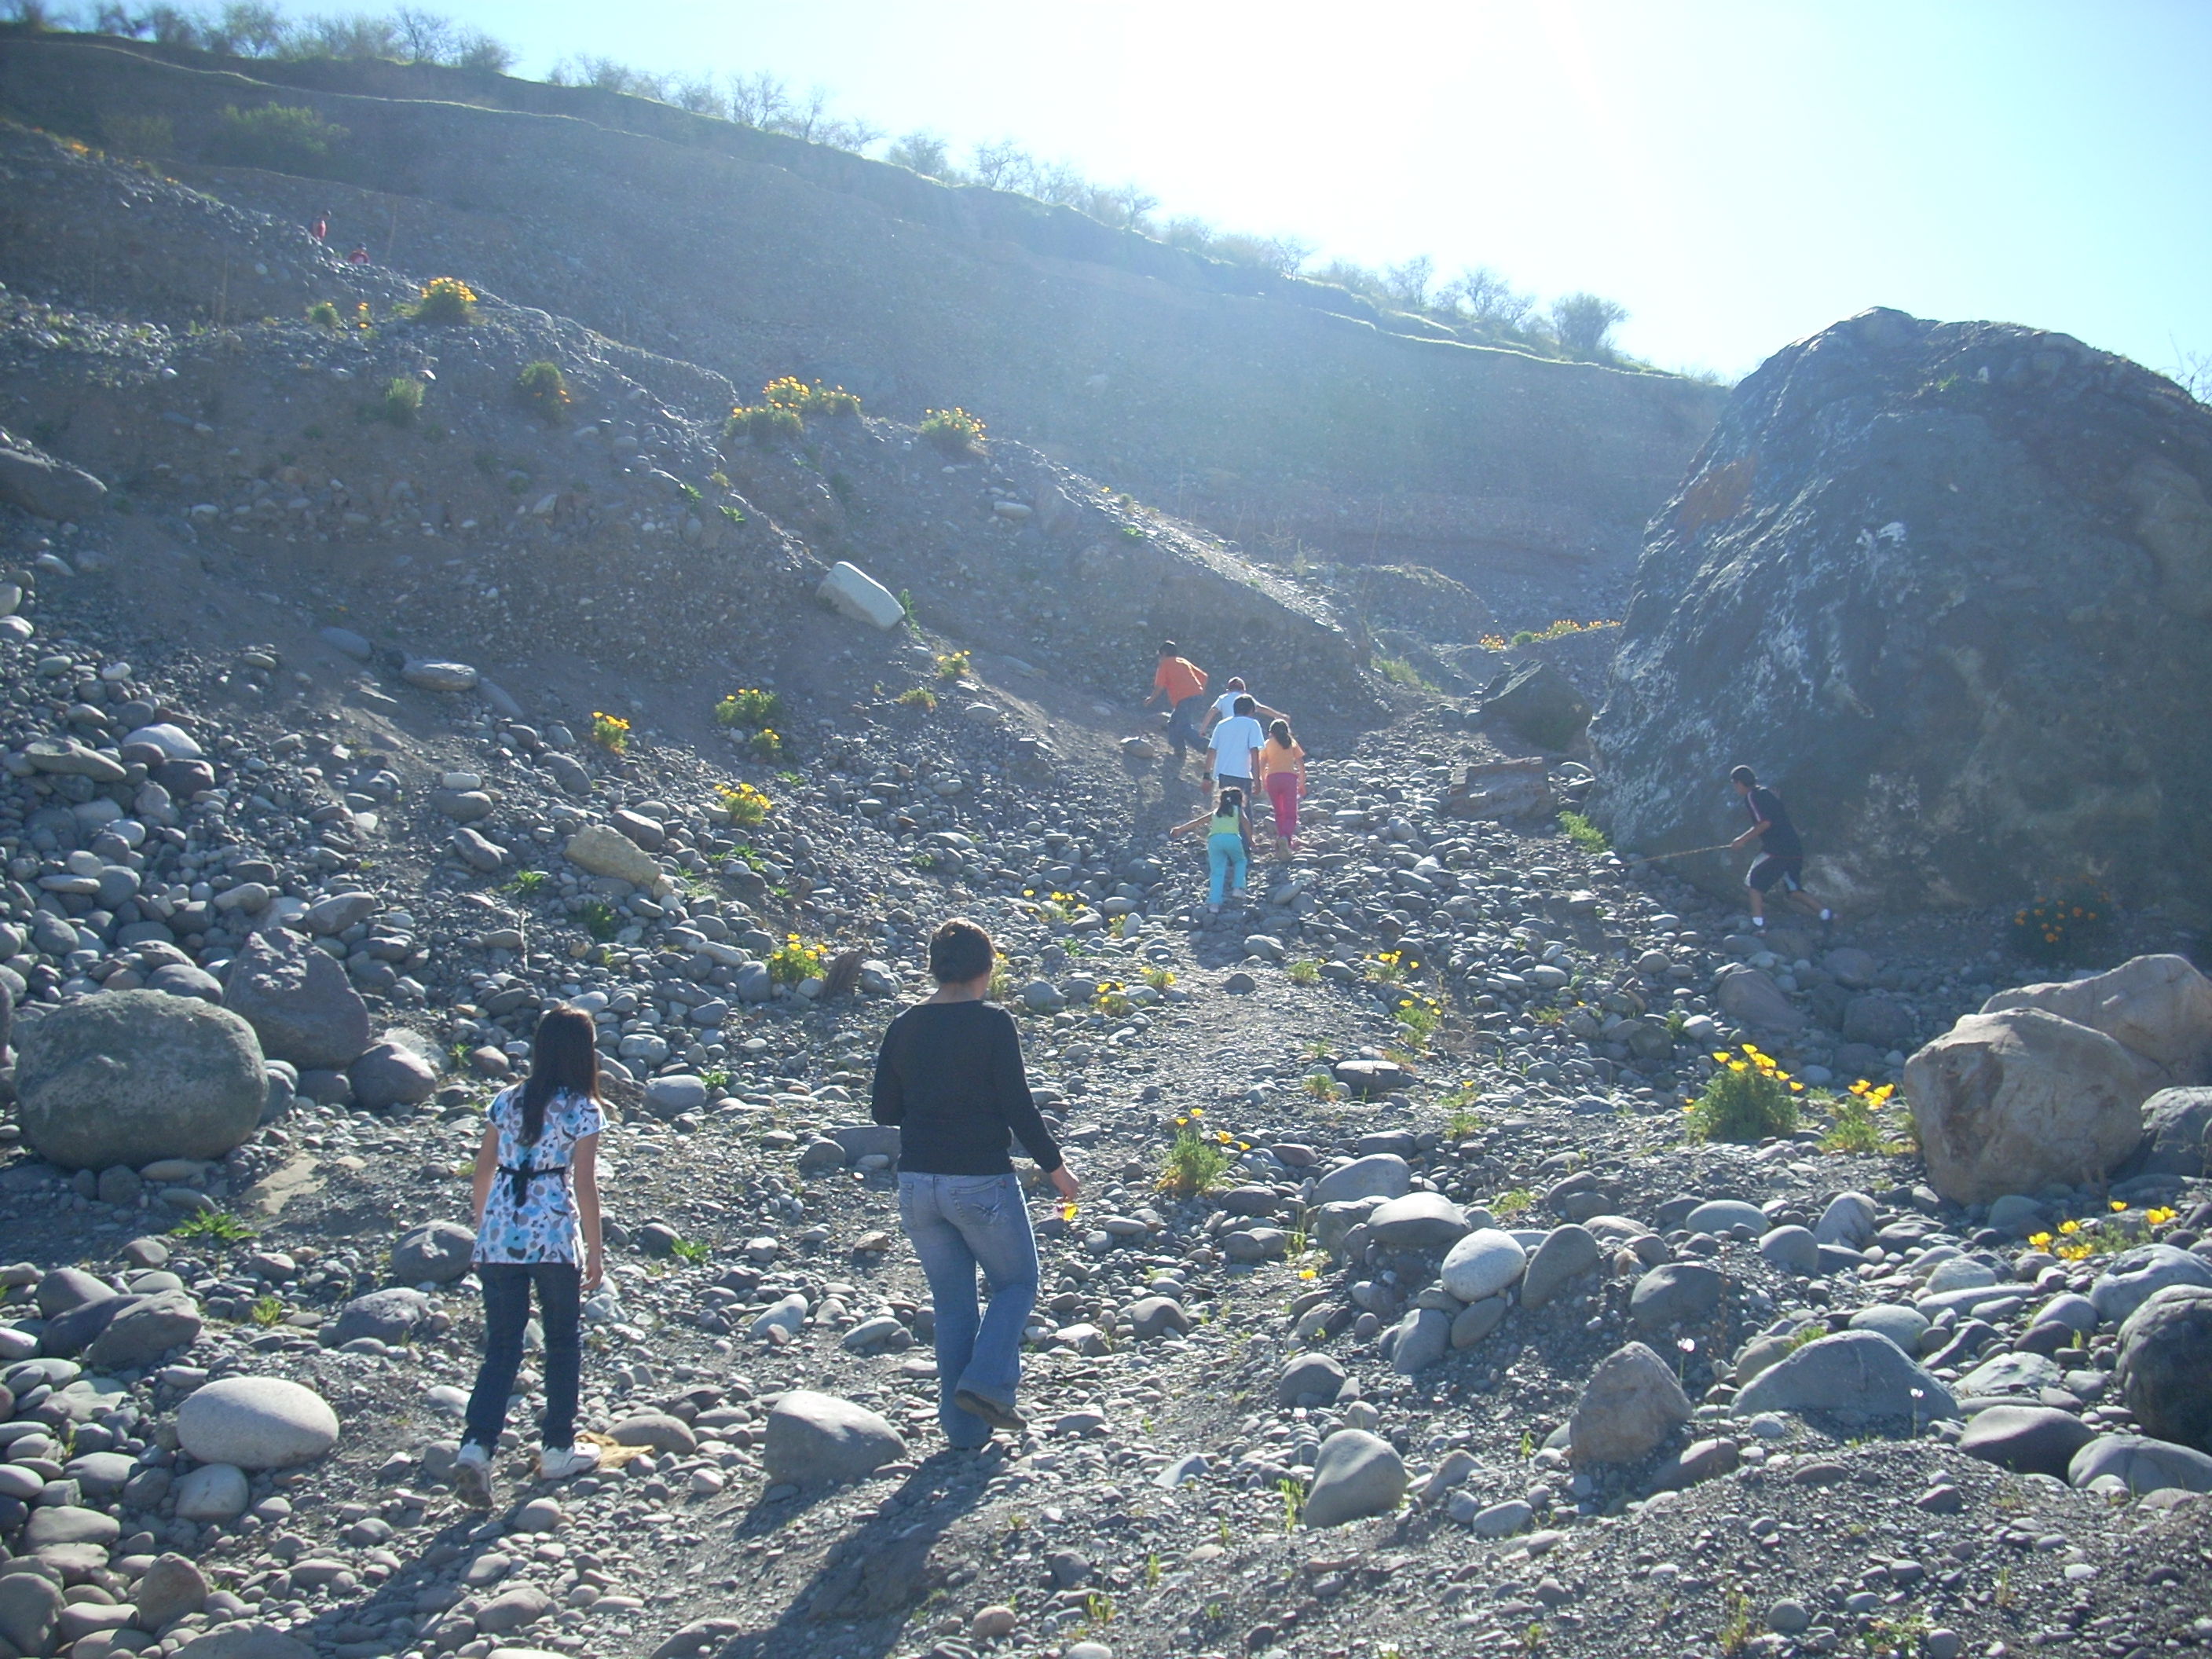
(1225, 857)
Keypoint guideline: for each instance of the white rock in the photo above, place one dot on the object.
(851, 592)
(257, 1423)
(1482, 1264)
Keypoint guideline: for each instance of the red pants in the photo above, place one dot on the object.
(1282, 794)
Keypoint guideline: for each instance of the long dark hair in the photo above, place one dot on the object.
(1280, 731)
(564, 1058)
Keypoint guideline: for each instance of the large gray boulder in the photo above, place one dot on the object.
(2160, 1007)
(50, 489)
(392, 1074)
(2166, 1360)
(1632, 1402)
(2133, 1277)
(1947, 584)
(130, 1077)
(1539, 703)
(1356, 1474)
(2026, 1439)
(1860, 1372)
(2142, 1463)
(141, 1334)
(298, 1001)
(256, 1423)
(2016, 1100)
(2177, 1134)
(818, 1439)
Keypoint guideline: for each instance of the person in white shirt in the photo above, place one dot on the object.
(1236, 743)
(1225, 707)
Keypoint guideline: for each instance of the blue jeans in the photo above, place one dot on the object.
(1182, 723)
(959, 1224)
(507, 1287)
(1224, 854)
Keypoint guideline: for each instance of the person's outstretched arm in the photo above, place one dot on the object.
(1009, 1088)
(887, 1099)
(584, 1171)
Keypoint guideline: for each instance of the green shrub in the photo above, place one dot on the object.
(600, 919)
(1584, 834)
(219, 1225)
(764, 423)
(324, 314)
(445, 300)
(803, 400)
(281, 137)
(543, 389)
(1194, 1162)
(2062, 928)
(1749, 1099)
(750, 707)
(403, 400)
(139, 135)
(955, 431)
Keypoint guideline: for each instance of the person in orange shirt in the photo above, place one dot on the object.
(1182, 684)
(1283, 775)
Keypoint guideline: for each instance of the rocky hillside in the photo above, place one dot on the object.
(1946, 584)
(1266, 410)
(360, 698)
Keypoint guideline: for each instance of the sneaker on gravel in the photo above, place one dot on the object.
(560, 1462)
(472, 1476)
(997, 1416)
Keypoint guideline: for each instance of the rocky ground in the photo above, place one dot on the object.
(1450, 1339)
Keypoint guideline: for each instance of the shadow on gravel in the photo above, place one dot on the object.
(871, 1577)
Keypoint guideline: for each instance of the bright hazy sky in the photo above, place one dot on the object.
(1737, 172)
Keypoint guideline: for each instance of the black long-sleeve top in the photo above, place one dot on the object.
(949, 1075)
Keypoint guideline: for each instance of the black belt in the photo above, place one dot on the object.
(522, 1175)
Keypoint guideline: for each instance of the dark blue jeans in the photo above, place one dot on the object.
(1182, 723)
(507, 1287)
(959, 1224)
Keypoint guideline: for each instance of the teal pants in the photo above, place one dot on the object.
(1224, 854)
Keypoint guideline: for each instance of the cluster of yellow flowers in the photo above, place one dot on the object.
(744, 805)
(1766, 1065)
(610, 732)
(749, 706)
(1875, 1096)
(2074, 1242)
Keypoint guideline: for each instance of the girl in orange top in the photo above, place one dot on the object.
(1283, 775)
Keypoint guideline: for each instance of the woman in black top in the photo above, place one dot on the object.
(949, 1075)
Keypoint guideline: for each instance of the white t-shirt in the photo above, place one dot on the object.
(1232, 743)
(1224, 706)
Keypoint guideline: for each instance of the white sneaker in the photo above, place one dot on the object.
(560, 1462)
(472, 1476)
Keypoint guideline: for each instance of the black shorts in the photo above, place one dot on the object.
(1767, 869)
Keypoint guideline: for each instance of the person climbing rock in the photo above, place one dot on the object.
(1225, 707)
(1781, 861)
(1283, 775)
(1228, 845)
(1182, 684)
(949, 1074)
(538, 1228)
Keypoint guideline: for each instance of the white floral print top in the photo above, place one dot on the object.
(539, 1222)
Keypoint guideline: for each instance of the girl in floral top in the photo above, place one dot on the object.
(537, 1227)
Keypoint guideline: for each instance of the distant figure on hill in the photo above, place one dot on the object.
(1781, 861)
(359, 256)
(1225, 707)
(321, 230)
(1283, 775)
(1182, 683)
